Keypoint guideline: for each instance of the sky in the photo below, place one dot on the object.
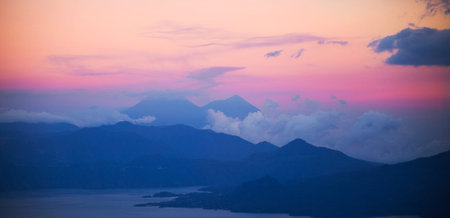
(374, 57)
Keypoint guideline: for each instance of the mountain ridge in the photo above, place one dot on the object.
(418, 187)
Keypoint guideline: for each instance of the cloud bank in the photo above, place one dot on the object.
(372, 135)
(93, 116)
(416, 47)
(14, 115)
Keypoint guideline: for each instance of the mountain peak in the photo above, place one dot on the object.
(235, 97)
(169, 111)
(235, 106)
(299, 141)
(300, 145)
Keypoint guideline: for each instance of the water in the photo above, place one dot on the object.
(103, 203)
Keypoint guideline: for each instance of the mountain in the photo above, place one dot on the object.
(419, 187)
(37, 127)
(299, 159)
(196, 143)
(234, 106)
(171, 111)
(128, 155)
(122, 142)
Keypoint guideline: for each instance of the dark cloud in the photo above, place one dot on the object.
(436, 6)
(321, 42)
(298, 54)
(412, 25)
(273, 53)
(416, 47)
(342, 101)
(209, 74)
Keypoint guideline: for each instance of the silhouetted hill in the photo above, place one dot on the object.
(195, 143)
(301, 159)
(37, 127)
(234, 106)
(122, 142)
(127, 155)
(418, 187)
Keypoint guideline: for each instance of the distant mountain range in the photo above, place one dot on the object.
(298, 178)
(149, 156)
(181, 111)
(63, 143)
(419, 187)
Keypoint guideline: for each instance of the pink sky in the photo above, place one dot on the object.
(136, 46)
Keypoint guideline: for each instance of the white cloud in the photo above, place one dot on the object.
(219, 122)
(144, 120)
(30, 117)
(373, 136)
(270, 105)
(258, 126)
(93, 116)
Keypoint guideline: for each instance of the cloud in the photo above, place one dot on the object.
(273, 53)
(172, 31)
(209, 74)
(412, 25)
(340, 101)
(82, 65)
(296, 97)
(202, 36)
(310, 105)
(93, 116)
(370, 125)
(270, 105)
(262, 41)
(144, 120)
(96, 116)
(219, 122)
(14, 115)
(298, 54)
(338, 42)
(277, 40)
(372, 135)
(258, 126)
(436, 6)
(416, 47)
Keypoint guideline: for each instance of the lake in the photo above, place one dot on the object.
(102, 203)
